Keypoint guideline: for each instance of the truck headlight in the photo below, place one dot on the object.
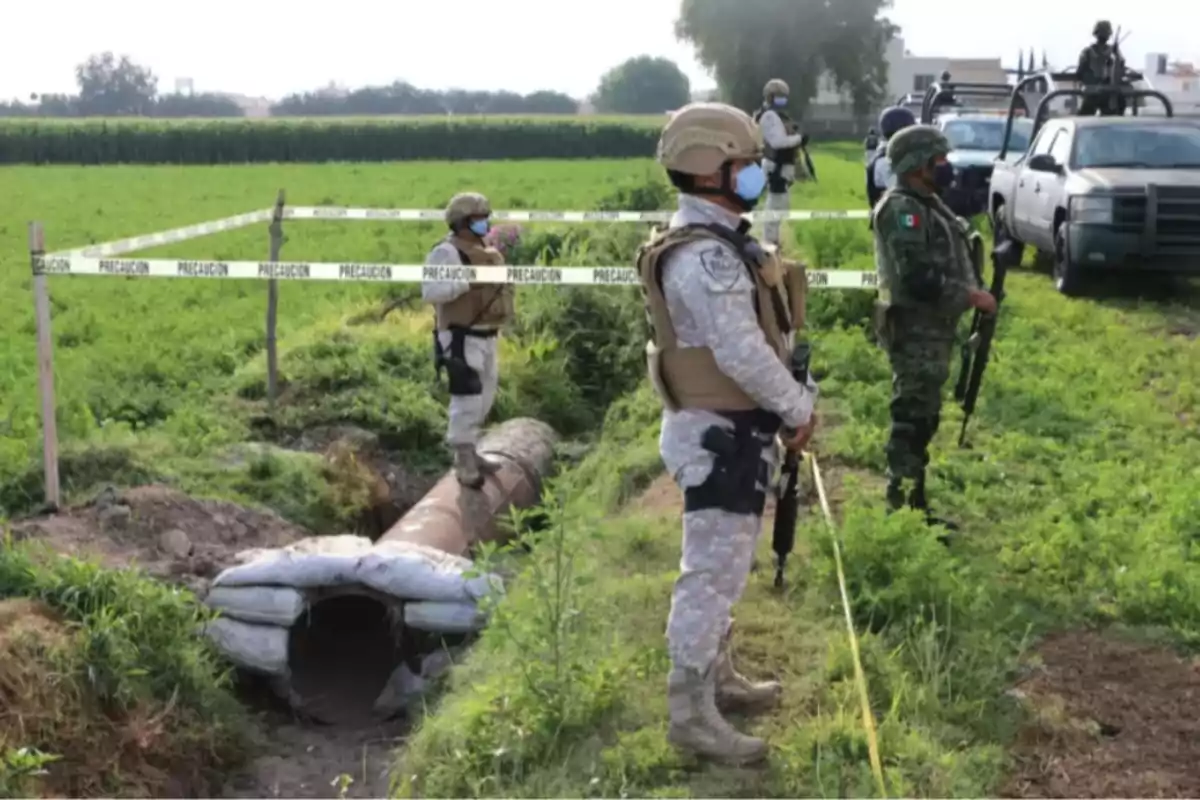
(1084, 208)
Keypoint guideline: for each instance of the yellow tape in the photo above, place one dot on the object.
(859, 676)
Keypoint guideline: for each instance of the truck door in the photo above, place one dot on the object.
(1027, 205)
(1052, 186)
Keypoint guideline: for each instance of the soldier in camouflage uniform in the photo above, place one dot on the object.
(722, 309)
(1097, 63)
(468, 321)
(927, 260)
(782, 153)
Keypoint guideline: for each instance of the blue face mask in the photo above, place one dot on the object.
(750, 182)
(479, 227)
(780, 102)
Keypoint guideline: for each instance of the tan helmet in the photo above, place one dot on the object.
(775, 88)
(700, 137)
(465, 205)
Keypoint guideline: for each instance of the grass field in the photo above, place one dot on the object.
(1079, 498)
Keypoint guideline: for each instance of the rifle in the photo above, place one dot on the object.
(808, 162)
(787, 494)
(1116, 75)
(978, 348)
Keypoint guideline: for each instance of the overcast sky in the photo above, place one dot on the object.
(275, 48)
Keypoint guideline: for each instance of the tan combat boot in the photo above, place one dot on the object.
(487, 466)
(466, 466)
(697, 726)
(735, 691)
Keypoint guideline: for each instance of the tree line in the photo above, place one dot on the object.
(743, 43)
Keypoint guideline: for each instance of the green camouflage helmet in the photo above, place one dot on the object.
(1103, 29)
(914, 147)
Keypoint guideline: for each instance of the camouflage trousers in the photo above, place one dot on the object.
(718, 548)
(920, 355)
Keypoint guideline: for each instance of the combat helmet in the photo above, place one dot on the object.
(914, 147)
(776, 88)
(465, 205)
(700, 137)
(895, 119)
(1102, 29)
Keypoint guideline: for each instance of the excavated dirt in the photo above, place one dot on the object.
(172, 536)
(1109, 719)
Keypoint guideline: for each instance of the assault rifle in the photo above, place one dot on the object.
(978, 348)
(787, 494)
(1116, 76)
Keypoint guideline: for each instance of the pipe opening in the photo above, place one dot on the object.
(341, 655)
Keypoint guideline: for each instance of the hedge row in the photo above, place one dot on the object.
(258, 141)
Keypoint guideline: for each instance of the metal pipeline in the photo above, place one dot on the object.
(453, 518)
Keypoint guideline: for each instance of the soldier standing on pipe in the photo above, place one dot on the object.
(469, 318)
(783, 142)
(720, 307)
(925, 258)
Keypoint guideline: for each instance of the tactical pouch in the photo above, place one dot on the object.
(737, 472)
(776, 182)
(654, 366)
(464, 381)
(795, 281)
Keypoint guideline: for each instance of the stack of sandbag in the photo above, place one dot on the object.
(260, 599)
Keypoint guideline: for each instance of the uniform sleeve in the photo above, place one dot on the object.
(720, 298)
(775, 134)
(883, 174)
(436, 292)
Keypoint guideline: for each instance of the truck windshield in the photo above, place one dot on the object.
(987, 134)
(1147, 146)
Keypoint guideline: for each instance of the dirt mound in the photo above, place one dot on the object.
(172, 536)
(1110, 719)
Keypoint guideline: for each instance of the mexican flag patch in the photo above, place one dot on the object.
(910, 221)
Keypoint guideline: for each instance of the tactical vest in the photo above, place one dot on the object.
(967, 248)
(688, 377)
(788, 154)
(1094, 64)
(483, 305)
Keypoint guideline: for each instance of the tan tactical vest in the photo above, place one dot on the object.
(688, 377)
(484, 305)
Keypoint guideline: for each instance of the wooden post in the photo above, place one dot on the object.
(45, 351)
(276, 231)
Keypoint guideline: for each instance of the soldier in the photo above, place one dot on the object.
(879, 170)
(927, 260)
(783, 143)
(721, 308)
(870, 144)
(1099, 64)
(468, 321)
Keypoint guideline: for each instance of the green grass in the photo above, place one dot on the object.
(1079, 495)
(1079, 500)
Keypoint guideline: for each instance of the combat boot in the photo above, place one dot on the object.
(918, 501)
(895, 495)
(697, 726)
(735, 691)
(466, 466)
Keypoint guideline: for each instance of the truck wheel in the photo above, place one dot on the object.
(1000, 231)
(1068, 276)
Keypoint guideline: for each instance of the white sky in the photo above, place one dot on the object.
(275, 48)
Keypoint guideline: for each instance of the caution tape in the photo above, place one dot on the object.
(439, 215)
(860, 678)
(384, 273)
(173, 236)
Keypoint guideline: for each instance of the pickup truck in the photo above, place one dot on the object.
(977, 140)
(1104, 193)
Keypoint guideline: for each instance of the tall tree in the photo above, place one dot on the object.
(747, 42)
(643, 85)
(114, 87)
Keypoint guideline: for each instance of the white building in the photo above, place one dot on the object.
(1178, 80)
(909, 73)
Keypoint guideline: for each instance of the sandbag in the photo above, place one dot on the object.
(259, 648)
(444, 617)
(403, 570)
(267, 605)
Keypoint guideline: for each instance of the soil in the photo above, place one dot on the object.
(1110, 718)
(172, 536)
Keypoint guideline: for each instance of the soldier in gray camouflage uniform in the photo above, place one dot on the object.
(927, 260)
(721, 308)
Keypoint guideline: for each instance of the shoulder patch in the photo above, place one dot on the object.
(910, 221)
(723, 270)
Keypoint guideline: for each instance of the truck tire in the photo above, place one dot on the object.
(1000, 231)
(1068, 276)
